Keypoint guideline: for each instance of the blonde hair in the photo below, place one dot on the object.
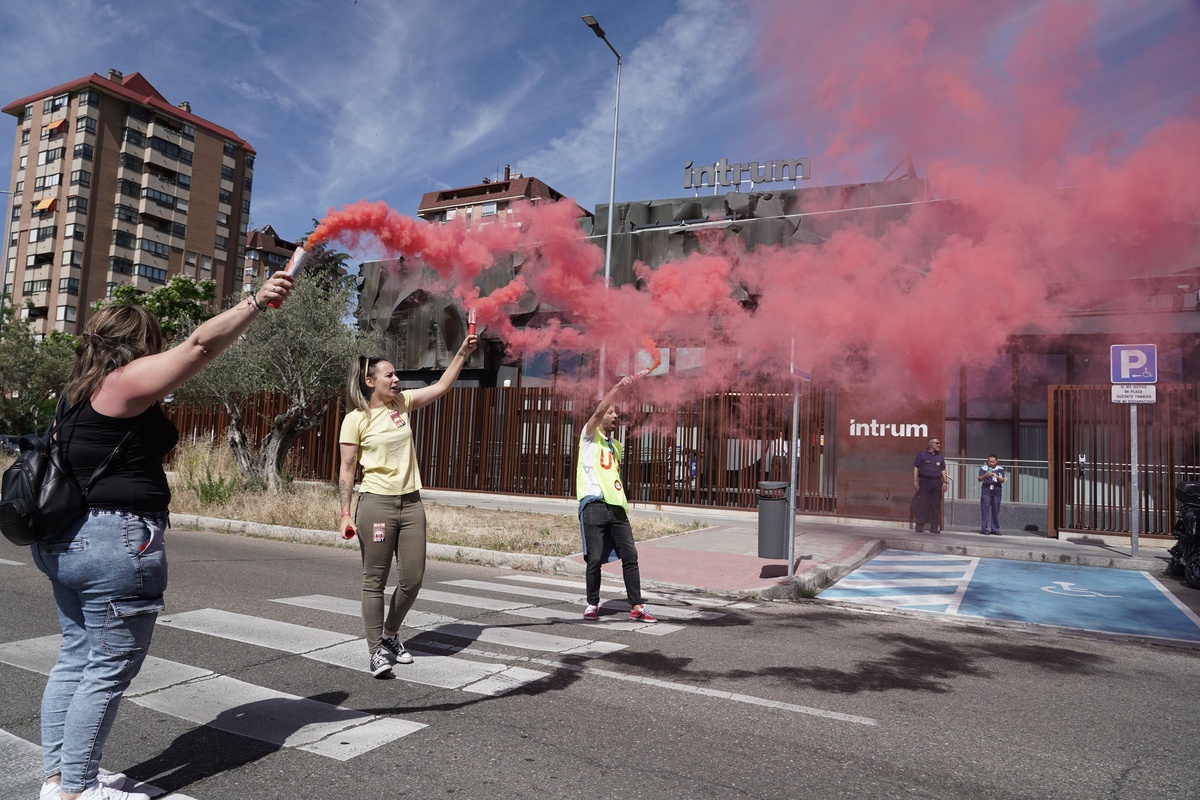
(115, 335)
(358, 393)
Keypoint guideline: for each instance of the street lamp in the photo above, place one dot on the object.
(590, 21)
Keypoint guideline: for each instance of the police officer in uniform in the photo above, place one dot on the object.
(929, 481)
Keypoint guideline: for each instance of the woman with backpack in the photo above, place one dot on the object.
(108, 570)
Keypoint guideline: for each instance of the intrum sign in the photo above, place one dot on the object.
(726, 174)
(1134, 363)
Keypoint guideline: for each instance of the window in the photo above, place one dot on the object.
(206, 263)
(246, 205)
(32, 287)
(89, 97)
(247, 182)
(189, 132)
(129, 188)
(46, 181)
(43, 233)
(137, 112)
(225, 196)
(81, 177)
(50, 156)
(249, 161)
(226, 173)
(178, 229)
(157, 248)
(222, 218)
(110, 287)
(79, 204)
(169, 149)
(22, 162)
(121, 265)
(86, 124)
(84, 151)
(222, 242)
(184, 181)
(160, 198)
(53, 104)
(66, 313)
(54, 129)
(189, 260)
(45, 206)
(487, 210)
(123, 239)
(131, 161)
(126, 213)
(230, 148)
(451, 213)
(16, 212)
(72, 258)
(20, 187)
(24, 137)
(181, 204)
(73, 230)
(37, 260)
(155, 274)
(134, 138)
(68, 285)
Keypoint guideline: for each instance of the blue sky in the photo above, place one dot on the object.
(388, 99)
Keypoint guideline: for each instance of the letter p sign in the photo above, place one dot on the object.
(1134, 363)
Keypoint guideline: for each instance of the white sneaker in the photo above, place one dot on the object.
(98, 791)
(113, 780)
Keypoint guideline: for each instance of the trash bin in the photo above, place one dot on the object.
(772, 519)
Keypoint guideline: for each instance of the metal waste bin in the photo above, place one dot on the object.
(772, 519)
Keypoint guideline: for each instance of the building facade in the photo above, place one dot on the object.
(112, 185)
(266, 252)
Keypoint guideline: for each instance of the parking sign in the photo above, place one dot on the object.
(1134, 363)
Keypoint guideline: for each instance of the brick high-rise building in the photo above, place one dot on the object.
(111, 185)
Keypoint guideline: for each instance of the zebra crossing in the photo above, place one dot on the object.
(908, 579)
(204, 697)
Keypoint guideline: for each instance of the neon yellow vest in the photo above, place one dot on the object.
(598, 471)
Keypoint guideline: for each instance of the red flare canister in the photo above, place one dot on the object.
(471, 316)
(294, 265)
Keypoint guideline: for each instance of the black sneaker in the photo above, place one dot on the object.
(392, 645)
(379, 664)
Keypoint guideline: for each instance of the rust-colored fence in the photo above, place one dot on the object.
(710, 452)
(1089, 443)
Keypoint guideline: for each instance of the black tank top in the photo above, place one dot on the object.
(136, 480)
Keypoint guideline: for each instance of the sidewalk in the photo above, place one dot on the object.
(722, 557)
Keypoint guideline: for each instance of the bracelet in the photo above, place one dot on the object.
(345, 513)
(254, 302)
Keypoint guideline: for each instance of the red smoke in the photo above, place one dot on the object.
(987, 98)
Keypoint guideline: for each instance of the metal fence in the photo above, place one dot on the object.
(1089, 440)
(1027, 481)
(710, 452)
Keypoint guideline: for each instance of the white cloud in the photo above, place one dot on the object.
(668, 81)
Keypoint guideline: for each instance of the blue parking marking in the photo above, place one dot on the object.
(1087, 598)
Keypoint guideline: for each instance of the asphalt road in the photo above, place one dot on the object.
(765, 701)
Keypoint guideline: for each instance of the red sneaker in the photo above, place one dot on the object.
(591, 612)
(640, 614)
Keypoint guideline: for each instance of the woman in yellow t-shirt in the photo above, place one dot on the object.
(389, 520)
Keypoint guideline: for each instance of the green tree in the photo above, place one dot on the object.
(32, 373)
(300, 352)
(179, 306)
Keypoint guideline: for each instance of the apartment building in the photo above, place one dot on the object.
(266, 252)
(112, 185)
(486, 201)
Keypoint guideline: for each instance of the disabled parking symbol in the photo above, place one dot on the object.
(1070, 590)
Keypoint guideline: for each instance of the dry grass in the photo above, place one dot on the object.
(315, 507)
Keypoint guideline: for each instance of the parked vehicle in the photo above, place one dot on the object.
(1185, 555)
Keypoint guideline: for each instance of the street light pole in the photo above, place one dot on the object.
(590, 21)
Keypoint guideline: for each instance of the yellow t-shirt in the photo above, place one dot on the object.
(385, 447)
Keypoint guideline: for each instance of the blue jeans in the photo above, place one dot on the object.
(601, 520)
(108, 572)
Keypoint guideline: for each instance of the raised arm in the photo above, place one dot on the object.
(132, 389)
(427, 394)
(605, 403)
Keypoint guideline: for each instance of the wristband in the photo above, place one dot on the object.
(345, 513)
(254, 302)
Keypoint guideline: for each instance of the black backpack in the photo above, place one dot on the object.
(39, 496)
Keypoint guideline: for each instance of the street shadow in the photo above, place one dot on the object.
(780, 570)
(211, 749)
